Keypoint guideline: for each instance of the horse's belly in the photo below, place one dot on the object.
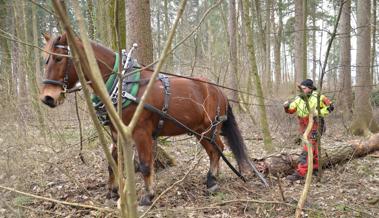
(173, 129)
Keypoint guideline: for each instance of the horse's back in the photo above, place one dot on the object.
(193, 102)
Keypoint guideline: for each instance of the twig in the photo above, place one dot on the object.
(360, 211)
(172, 186)
(280, 188)
(80, 128)
(28, 44)
(11, 208)
(41, 211)
(253, 201)
(58, 201)
(44, 8)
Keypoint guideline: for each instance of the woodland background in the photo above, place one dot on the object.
(260, 49)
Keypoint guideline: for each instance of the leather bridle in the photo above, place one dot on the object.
(64, 83)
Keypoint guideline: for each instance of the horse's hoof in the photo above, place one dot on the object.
(213, 189)
(146, 200)
(113, 194)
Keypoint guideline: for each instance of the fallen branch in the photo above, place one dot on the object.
(173, 185)
(283, 164)
(58, 201)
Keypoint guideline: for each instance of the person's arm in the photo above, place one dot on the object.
(328, 103)
(289, 107)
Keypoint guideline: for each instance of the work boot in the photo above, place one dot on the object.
(294, 177)
(315, 172)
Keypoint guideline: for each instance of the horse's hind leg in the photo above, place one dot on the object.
(144, 144)
(214, 158)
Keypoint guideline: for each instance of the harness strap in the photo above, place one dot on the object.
(214, 125)
(53, 82)
(166, 88)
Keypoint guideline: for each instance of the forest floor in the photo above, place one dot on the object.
(56, 171)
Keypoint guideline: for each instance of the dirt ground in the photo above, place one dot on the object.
(52, 169)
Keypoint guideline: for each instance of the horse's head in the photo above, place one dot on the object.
(60, 73)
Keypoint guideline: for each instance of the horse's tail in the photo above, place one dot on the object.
(234, 138)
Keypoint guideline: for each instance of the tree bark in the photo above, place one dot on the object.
(267, 140)
(121, 19)
(170, 59)
(277, 47)
(363, 120)
(268, 49)
(5, 49)
(314, 53)
(260, 46)
(373, 47)
(233, 69)
(345, 94)
(298, 43)
(283, 164)
(138, 29)
(91, 26)
(305, 40)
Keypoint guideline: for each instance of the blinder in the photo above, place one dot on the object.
(64, 83)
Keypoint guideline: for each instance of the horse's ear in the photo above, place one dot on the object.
(63, 39)
(46, 36)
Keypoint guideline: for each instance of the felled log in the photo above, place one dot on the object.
(283, 163)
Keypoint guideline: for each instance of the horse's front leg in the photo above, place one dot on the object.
(144, 144)
(112, 183)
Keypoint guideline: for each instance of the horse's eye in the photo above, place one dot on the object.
(58, 59)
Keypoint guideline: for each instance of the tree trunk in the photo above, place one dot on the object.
(101, 23)
(277, 46)
(268, 49)
(261, 42)
(91, 26)
(121, 21)
(284, 164)
(373, 47)
(363, 120)
(5, 49)
(138, 29)
(314, 53)
(35, 76)
(300, 42)
(170, 58)
(243, 53)
(305, 40)
(345, 94)
(267, 140)
(16, 54)
(233, 69)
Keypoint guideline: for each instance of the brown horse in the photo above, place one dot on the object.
(192, 102)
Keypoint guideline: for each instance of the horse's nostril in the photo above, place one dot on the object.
(48, 100)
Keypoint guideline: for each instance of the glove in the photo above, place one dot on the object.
(330, 108)
(286, 104)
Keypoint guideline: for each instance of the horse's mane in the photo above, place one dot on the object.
(100, 46)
